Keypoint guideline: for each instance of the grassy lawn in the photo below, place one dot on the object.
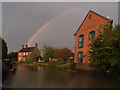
(59, 64)
(21, 62)
(52, 63)
(43, 63)
(66, 65)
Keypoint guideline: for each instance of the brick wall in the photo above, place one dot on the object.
(86, 27)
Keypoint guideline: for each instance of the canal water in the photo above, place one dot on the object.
(32, 76)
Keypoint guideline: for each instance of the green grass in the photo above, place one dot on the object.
(43, 63)
(66, 65)
(59, 64)
(22, 62)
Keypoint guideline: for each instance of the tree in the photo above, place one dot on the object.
(66, 53)
(0, 48)
(104, 50)
(4, 48)
(57, 54)
(34, 56)
(13, 56)
(63, 53)
(47, 52)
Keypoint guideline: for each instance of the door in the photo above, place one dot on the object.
(80, 57)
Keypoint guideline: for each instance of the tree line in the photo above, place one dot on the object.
(51, 52)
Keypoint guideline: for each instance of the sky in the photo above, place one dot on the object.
(55, 22)
(59, 0)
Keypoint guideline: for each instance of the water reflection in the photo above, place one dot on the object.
(57, 77)
(33, 76)
(23, 67)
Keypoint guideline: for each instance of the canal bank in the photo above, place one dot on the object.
(72, 67)
(79, 67)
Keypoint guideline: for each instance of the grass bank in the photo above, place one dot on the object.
(43, 63)
(60, 64)
(69, 66)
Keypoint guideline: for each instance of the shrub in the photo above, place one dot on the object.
(105, 50)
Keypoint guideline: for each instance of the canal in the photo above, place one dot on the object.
(35, 76)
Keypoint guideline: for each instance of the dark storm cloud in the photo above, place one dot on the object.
(22, 20)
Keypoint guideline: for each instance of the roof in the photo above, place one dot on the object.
(96, 14)
(28, 49)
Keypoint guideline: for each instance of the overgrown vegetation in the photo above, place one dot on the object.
(4, 49)
(43, 63)
(13, 56)
(59, 64)
(47, 52)
(22, 62)
(104, 50)
(34, 56)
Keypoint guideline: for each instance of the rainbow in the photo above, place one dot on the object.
(49, 22)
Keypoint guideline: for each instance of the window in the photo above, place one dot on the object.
(19, 53)
(23, 58)
(90, 16)
(19, 58)
(80, 57)
(91, 35)
(81, 41)
(26, 53)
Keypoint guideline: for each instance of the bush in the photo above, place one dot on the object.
(34, 56)
(22, 62)
(105, 50)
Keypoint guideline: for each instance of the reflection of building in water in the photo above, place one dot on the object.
(27, 77)
(83, 82)
(21, 67)
(75, 82)
(39, 68)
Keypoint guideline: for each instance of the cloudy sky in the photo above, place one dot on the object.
(55, 23)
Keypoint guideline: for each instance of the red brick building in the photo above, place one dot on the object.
(25, 52)
(87, 31)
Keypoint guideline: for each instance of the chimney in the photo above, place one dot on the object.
(22, 46)
(26, 46)
(35, 44)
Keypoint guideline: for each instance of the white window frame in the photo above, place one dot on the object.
(24, 53)
(19, 53)
(19, 58)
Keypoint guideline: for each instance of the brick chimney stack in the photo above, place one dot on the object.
(26, 46)
(35, 44)
(22, 46)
